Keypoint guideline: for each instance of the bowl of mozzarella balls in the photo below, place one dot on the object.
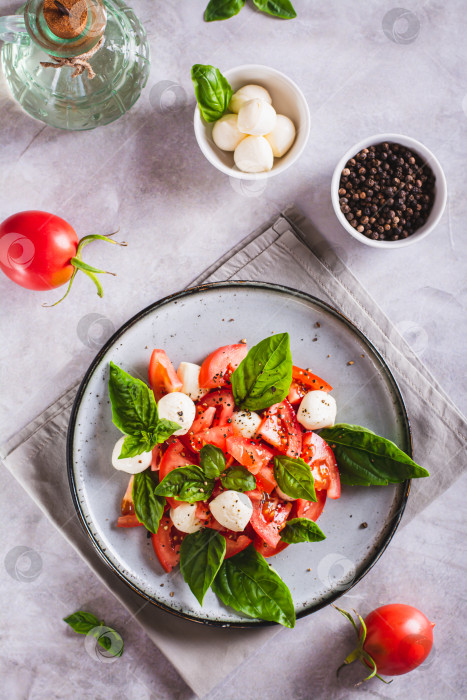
(264, 129)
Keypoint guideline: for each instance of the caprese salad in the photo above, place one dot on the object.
(227, 467)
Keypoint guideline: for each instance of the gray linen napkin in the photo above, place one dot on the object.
(289, 249)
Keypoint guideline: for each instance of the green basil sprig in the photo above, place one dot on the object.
(238, 479)
(201, 556)
(294, 477)
(222, 9)
(134, 412)
(264, 376)
(212, 461)
(248, 584)
(86, 623)
(366, 459)
(149, 508)
(212, 90)
(301, 530)
(277, 8)
(186, 484)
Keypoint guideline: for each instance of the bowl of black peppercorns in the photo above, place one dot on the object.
(389, 191)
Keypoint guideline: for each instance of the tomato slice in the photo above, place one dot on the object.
(311, 381)
(296, 392)
(265, 549)
(268, 519)
(127, 506)
(223, 403)
(163, 378)
(129, 520)
(265, 478)
(235, 543)
(317, 453)
(310, 509)
(217, 368)
(251, 454)
(202, 510)
(176, 455)
(166, 543)
(213, 436)
(281, 429)
(204, 417)
(157, 453)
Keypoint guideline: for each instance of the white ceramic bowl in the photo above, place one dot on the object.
(287, 98)
(440, 189)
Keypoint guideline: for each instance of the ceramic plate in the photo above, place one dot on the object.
(188, 326)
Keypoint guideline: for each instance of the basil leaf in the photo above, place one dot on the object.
(163, 430)
(82, 622)
(212, 91)
(248, 584)
(294, 477)
(149, 507)
(212, 461)
(134, 446)
(366, 459)
(186, 484)
(134, 408)
(278, 8)
(264, 376)
(201, 555)
(301, 530)
(222, 9)
(238, 479)
(86, 623)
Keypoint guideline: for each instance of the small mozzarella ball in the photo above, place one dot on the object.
(246, 422)
(283, 495)
(232, 510)
(282, 136)
(178, 408)
(188, 373)
(225, 133)
(184, 518)
(317, 410)
(246, 93)
(130, 465)
(254, 155)
(256, 118)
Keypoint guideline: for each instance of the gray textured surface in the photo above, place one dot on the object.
(146, 175)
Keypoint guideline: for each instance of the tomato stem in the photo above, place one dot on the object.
(78, 263)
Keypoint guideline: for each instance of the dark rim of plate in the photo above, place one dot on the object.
(390, 528)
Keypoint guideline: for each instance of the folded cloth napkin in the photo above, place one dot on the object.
(289, 249)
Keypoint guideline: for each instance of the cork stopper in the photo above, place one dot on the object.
(66, 18)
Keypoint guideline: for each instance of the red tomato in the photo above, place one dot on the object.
(265, 549)
(166, 543)
(399, 638)
(128, 521)
(317, 453)
(235, 543)
(204, 417)
(223, 403)
(265, 478)
(42, 251)
(281, 429)
(175, 456)
(310, 509)
(213, 436)
(251, 454)
(162, 375)
(219, 365)
(202, 510)
(269, 518)
(311, 381)
(156, 458)
(127, 506)
(296, 392)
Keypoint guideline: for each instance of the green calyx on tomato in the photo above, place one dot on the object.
(41, 251)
